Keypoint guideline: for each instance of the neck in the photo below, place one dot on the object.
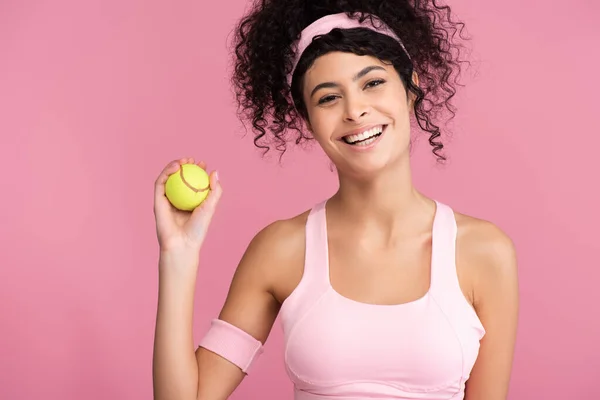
(387, 200)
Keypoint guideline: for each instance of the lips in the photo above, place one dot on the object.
(363, 135)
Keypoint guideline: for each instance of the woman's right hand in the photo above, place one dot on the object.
(183, 230)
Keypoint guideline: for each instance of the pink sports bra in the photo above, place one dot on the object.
(338, 348)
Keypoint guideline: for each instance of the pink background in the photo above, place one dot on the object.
(96, 96)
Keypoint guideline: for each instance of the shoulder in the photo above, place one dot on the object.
(484, 240)
(281, 236)
(486, 256)
(276, 253)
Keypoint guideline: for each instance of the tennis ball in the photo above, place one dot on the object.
(187, 188)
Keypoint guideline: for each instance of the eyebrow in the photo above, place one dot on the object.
(356, 77)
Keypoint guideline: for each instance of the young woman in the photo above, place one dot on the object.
(382, 292)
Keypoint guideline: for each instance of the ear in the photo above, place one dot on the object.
(415, 78)
(411, 96)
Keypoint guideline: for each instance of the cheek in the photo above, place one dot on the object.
(321, 124)
(394, 101)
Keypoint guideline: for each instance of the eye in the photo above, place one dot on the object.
(326, 99)
(373, 83)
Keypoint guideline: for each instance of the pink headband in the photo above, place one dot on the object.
(326, 24)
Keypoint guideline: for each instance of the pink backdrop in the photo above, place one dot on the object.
(96, 96)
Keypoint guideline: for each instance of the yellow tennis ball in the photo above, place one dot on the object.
(187, 188)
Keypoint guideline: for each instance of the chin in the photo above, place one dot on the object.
(376, 163)
(366, 168)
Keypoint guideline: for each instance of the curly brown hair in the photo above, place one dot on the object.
(264, 55)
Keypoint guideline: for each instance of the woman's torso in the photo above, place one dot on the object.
(359, 316)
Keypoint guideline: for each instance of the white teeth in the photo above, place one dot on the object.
(366, 142)
(364, 135)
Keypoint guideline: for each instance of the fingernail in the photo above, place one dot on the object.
(217, 175)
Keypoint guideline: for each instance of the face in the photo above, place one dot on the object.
(358, 111)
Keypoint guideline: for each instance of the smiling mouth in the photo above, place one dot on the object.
(364, 138)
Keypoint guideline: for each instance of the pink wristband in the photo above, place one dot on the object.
(232, 343)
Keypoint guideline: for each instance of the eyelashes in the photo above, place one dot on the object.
(369, 85)
(375, 82)
(327, 99)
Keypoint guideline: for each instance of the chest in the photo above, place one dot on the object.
(393, 274)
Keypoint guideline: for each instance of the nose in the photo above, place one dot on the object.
(356, 109)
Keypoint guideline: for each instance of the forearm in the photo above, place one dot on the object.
(175, 370)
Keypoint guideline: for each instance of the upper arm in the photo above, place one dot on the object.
(250, 306)
(496, 301)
